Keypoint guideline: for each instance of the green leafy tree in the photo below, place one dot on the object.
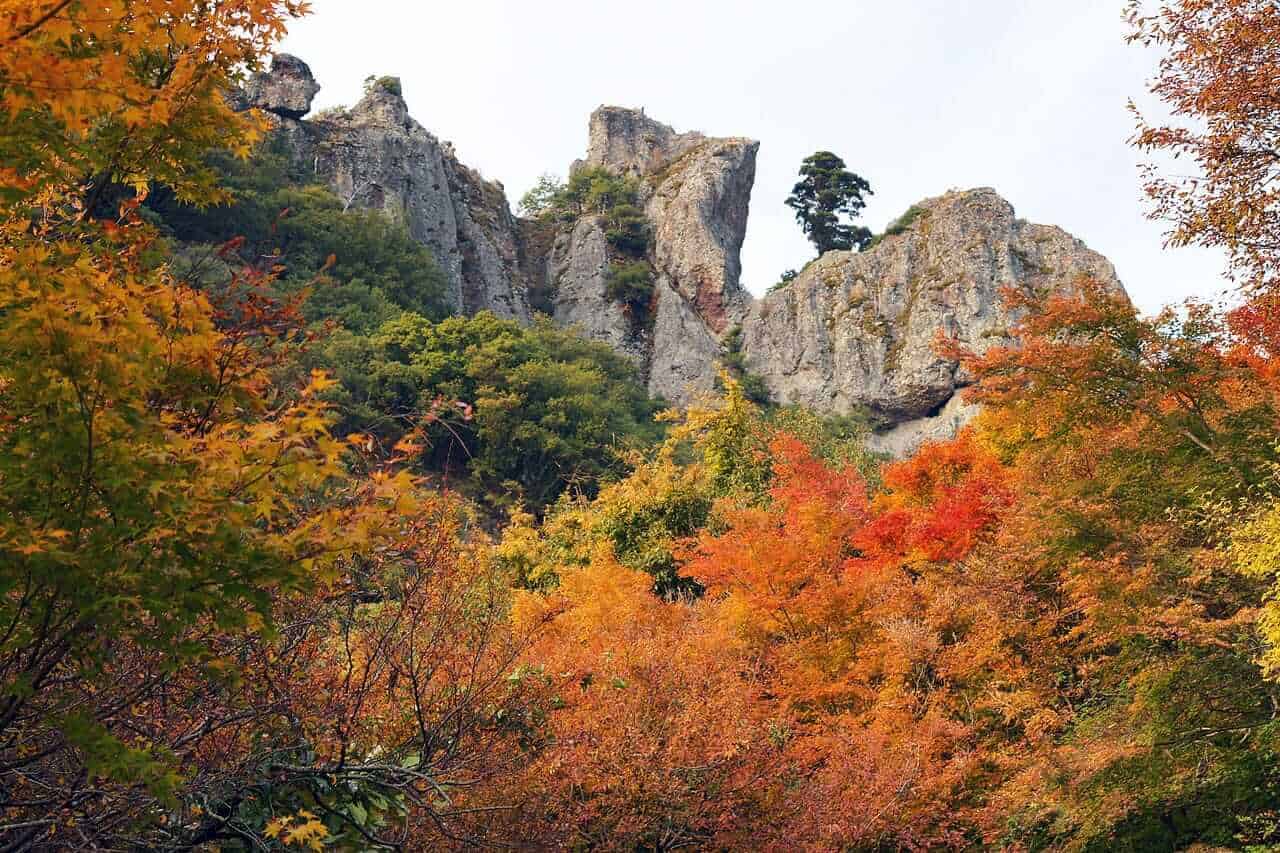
(539, 201)
(615, 202)
(627, 229)
(826, 192)
(535, 410)
(631, 283)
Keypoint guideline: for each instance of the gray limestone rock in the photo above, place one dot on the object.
(627, 141)
(684, 353)
(696, 192)
(579, 265)
(856, 331)
(287, 89)
(902, 439)
(374, 155)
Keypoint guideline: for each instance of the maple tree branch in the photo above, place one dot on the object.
(48, 16)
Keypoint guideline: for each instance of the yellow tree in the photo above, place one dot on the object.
(159, 500)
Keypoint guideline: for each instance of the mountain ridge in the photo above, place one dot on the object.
(853, 332)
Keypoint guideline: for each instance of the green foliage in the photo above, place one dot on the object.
(348, 808)
(591, 190)
(374, 83)
(903, 222)
(898, 226)
(752, 385)
(785, 279)
(549, 409)
(546, 408)
(362, 267)
(539, 201)
(627, 229)
(615, 201)
(631, 283)
(640, 519)
(826, 192)
(719, 454)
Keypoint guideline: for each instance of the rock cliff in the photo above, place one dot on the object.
(853, 332)
(695, 191)
(286, 90)
(374, 155)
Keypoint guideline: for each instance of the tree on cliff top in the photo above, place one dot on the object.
(825, 192)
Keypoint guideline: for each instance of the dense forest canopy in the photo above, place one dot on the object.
(292, 559)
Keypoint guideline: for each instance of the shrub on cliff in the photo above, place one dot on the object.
(631, 283)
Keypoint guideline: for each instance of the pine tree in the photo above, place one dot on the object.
(825, 192)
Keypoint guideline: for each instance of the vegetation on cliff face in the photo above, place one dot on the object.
(234, 614)
(735, 364)
(614, 201)
(515, 415)
(360, 267)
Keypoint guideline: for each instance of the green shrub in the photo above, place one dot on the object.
(898, 226)
(592, 190)
(386, 84)
(630, 283)
(378, 269)
(627, 230)
(539, 202)
(903, 222)
(752, 385)
(786, 279)
(596, 191)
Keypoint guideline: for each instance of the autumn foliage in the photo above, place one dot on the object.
(1218, 77)
(222, 627)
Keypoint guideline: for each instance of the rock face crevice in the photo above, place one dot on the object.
(853, 332)
(577, 272)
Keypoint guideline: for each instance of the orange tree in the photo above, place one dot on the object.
(1137, 447)
(1219, 79)
(833, 682)
(886, 636)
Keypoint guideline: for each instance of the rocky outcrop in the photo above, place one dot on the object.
(628, 142)
(374, 155)
(685, 350)
(287, 90)
(695, 192)
(903, 438)
(579, 267)
(856, 331)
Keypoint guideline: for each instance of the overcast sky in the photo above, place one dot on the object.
(918, 96)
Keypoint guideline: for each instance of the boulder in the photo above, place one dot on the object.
(286, 90)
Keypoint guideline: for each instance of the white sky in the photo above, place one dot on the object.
(918, 96)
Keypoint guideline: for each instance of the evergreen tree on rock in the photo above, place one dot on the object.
(826, 192)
